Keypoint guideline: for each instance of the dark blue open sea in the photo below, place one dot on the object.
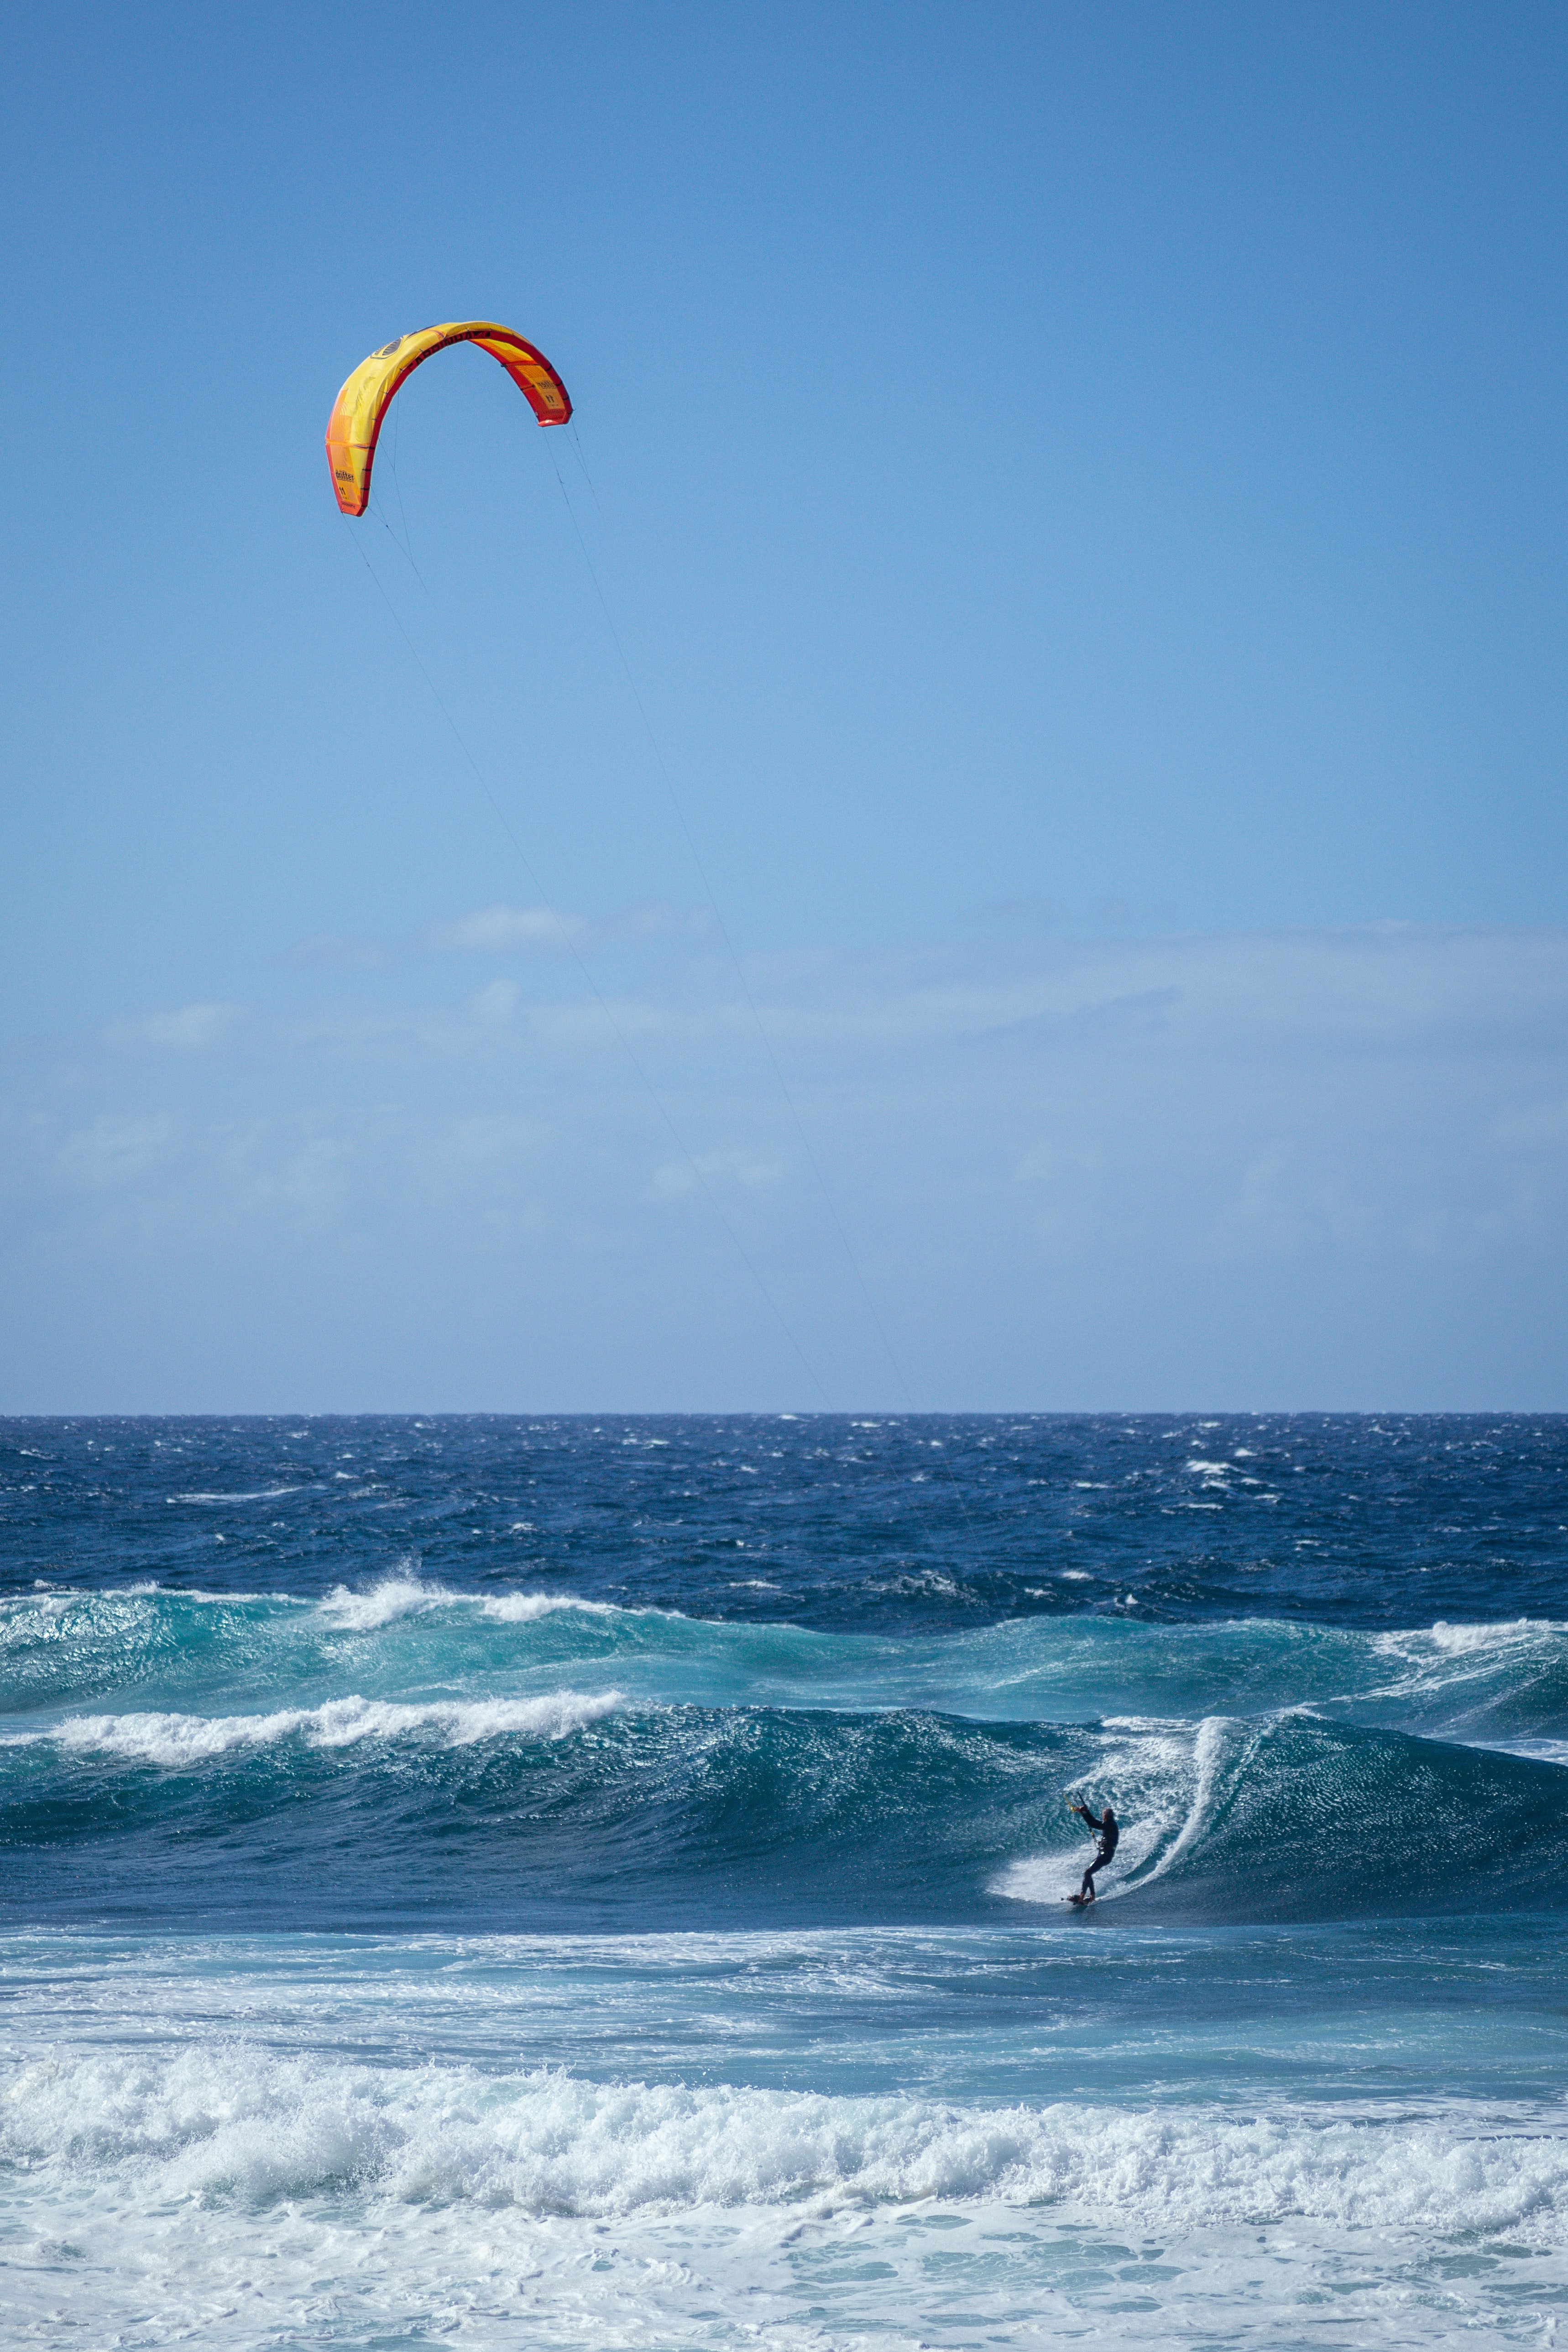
(579, 1883)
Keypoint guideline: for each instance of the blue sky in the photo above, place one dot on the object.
(1080, 493)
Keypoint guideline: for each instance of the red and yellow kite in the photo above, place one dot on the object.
(364, 401)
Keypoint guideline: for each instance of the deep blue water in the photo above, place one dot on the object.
(663, 1821)
(866, 1527)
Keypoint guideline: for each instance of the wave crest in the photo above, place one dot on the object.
(393, 1597)
(233, 2122)
(181, 1739)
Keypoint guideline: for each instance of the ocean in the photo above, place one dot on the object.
(562, 1883)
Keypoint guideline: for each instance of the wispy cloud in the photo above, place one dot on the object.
(508, 930)
(1096, 1171)
(186, 1029)
(498, 1004)
(499, 930)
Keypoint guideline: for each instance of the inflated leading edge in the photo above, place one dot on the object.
(360, 407)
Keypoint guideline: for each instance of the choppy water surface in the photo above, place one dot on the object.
(601, 1883)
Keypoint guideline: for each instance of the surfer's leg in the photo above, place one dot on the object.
(1086, 1892)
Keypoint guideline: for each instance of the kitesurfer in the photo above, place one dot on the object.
(1108, 1831)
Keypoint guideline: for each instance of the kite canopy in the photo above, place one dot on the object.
(364, 401)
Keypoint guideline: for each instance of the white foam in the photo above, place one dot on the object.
(1161, 1778)
(1211, 1750)
(406, 1596)
(192, 1592)
(228, 2146)
(89, 1629)
(522, 1607)
(45, 1605)
(183, 1739)
(1431, 1644)
(1538, 1751)
(225, 2119)
(253, 1495)
(50, 1602)
(393, 1597)
(1462, 1641)
(1495, 1661)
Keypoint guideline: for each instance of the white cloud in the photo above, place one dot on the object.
(110, 1151)
(189, 1029)
(497, 1004)
(1118, 1172)
(680, 1179)
(503, 930)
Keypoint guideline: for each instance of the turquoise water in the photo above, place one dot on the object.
(578, 1883)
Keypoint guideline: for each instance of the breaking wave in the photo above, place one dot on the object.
(226, 2123)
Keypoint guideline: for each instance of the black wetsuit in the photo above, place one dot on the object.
(1109, 1833)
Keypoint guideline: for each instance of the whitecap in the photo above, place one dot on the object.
(1459, 1639)
(406, 1596)
(522, 1607)
(183, 1739)
(250, 1495)
(235, 2120)
(393, 1597)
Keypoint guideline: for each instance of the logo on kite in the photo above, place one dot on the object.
(359, 409)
